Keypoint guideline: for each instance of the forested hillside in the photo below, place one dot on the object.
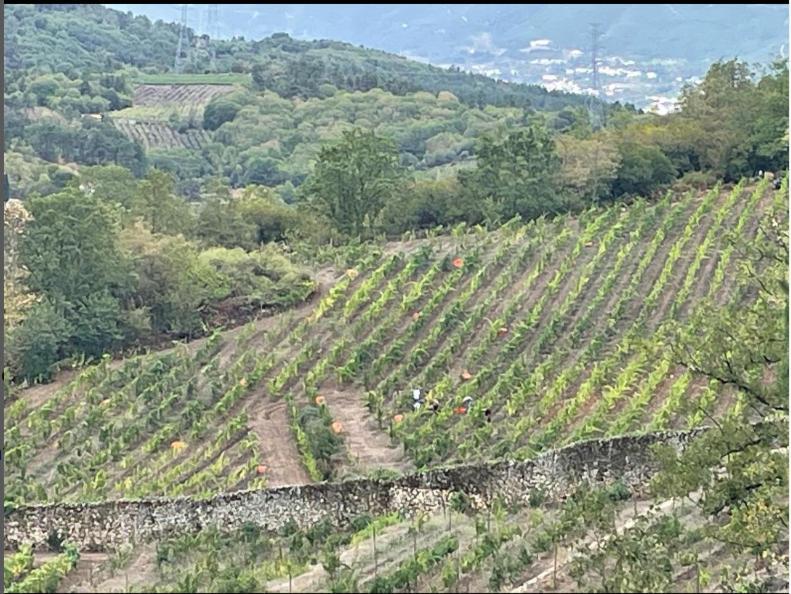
(98, 40)
(102, 90)
(647, 50)
(65, 62)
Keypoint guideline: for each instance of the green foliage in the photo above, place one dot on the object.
(17, 565)
(219, 111)
(642, 171)
(111, 184)
(47, 577)
(273, 219)
(640, 559)
(158, 206)
(516, 175)
(738, 126)
(378, 524)
(407, 573)
(75, 262)
(427, 204)
(324, 443)
(220, 223)
(89, 143)
(71, 248)
(353, 180)
(182, 287)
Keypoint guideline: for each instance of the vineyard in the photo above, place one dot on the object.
(195, 94)
(146, 122)
(156, 135)
(153, 105)
(547, 325)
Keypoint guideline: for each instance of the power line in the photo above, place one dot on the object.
(595, 35)
(213, 29)
(179, 63)
(595, 107)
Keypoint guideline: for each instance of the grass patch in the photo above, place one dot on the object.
(226, 78)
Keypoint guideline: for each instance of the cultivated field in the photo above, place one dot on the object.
(154, 105)
(161, 94)
(549, 325)
(224, 78)
(157, 135)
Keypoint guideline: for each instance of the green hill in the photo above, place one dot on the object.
(85, 38)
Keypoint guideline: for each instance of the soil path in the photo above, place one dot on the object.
(269, 421)
(368, 447)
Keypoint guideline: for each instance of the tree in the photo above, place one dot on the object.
(112, 184)
(172, 284)
(219, 223)
(353, 180)
(38, 342)
(642, 170)
(517, 175)
(70, 247)
(430, 203)
(218, 112)
(17, 298)
(588, 167)
(769, 133)
(272, 218)
(263, 171)
(737, 126)
(160, 208)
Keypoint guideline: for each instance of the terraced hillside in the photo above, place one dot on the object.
(163, 94)
(157, 135)
(548, 325)
(146, 122)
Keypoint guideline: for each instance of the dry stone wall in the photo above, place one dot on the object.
(103, 526)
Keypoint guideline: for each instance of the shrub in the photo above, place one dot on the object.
(38, 342)
(218, 112)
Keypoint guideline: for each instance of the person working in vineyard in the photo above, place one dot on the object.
(416, 398)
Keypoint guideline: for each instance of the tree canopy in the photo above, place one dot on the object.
(353, 180)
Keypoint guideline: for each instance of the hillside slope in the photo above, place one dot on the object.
(91, 38)
(549, 325)
(646, 50)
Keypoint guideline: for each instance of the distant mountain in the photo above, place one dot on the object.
(646, 51)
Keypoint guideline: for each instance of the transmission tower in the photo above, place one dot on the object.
(595, 105)
(595, 110)
(213, 29)
(179, 64)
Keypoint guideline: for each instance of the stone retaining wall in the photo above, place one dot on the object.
(102, 526)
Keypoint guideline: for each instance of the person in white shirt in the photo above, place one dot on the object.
(416, 398)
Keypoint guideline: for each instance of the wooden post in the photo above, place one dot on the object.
(376, 561)
(555, 567)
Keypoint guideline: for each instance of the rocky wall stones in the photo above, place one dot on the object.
(105, 525)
